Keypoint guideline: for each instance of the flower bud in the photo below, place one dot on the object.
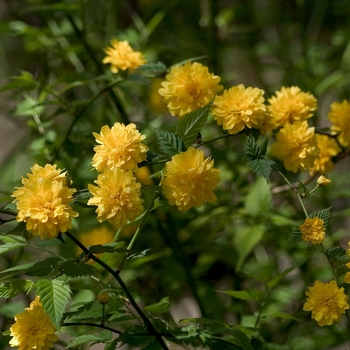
(103, 298)
(323, 181)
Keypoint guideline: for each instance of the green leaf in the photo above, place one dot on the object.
(258, 201)
(10, 310)
(25, 81)
(169, 143)
(102, 337)
(241, 339)
(54, 295)
(107, 248)
(11, 242)
(322, 214)
(152, 69)
(76, 269)
(160, 307)
(264, 145)
(282, 315)
(252, 149)
(337, 256)
(20, 229)
(218, 327)
(14, 287)
(245, 240)
(261, 167)
(191, 124)
(112, 345)
(82, 194)
(16, 270)
(277, 278)
(297, 236)
(42, 268)
(247, 294)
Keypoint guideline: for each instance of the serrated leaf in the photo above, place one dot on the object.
(16, 270)
(337, 256)
(107, 248)
(277, 278)
(261, 167)
(160, 307)
(247, 294)
(54, 295)
(169, 143)
(102, 337)
(76, 269)
(245, 239)
(82, 194)
(258, 201)
(297, 236)
(14, 287)
(217, 327)
(112, 345)
(199, 320)
(152, 69)
(191, 124)
(252, 149)
(264, 144)
(241, 339)
(25, 81)
(42, 268)
(322, 214)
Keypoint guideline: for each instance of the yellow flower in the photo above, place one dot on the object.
(323, 181)
(122, 56)
(328, 149)
(340, 117)
(33, 329)
(189, 87)
(189, 179)
(239, 107)
(119, 147)
(313, 230)
(117, 198)
(291, 104)
(347, 275)
(296, 146)
(44, 202)
(326, 302)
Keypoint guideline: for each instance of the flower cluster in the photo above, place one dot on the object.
(339, 115)
(291, 104)
(117, 196)
(119, 147)
(296, 146)
(328, 148)
(326, 302)
(239, 107)
(33, 329)
(122, 56)
(43, 202)
(313, 230)
(189, 179)
(189, 87)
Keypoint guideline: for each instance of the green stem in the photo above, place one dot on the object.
(294, 190)
(67, 324)
(147, 322)
(212, 140)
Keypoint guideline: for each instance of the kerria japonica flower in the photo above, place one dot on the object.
(296, 146)
(189, 87)
(347, 275)
(189, 179)
(239, 107)
(313, 230)
(329, 148)
(323, 181)
(119, 147)
(326, 302)
(43, 202)
(339, 115)
(117, 197)
(33, 329)
(122, 56)
(291, 104)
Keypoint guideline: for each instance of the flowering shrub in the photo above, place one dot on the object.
(163, 210)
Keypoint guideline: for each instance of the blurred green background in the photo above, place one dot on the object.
(49, 114)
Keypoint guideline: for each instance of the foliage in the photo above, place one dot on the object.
(231, 274)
